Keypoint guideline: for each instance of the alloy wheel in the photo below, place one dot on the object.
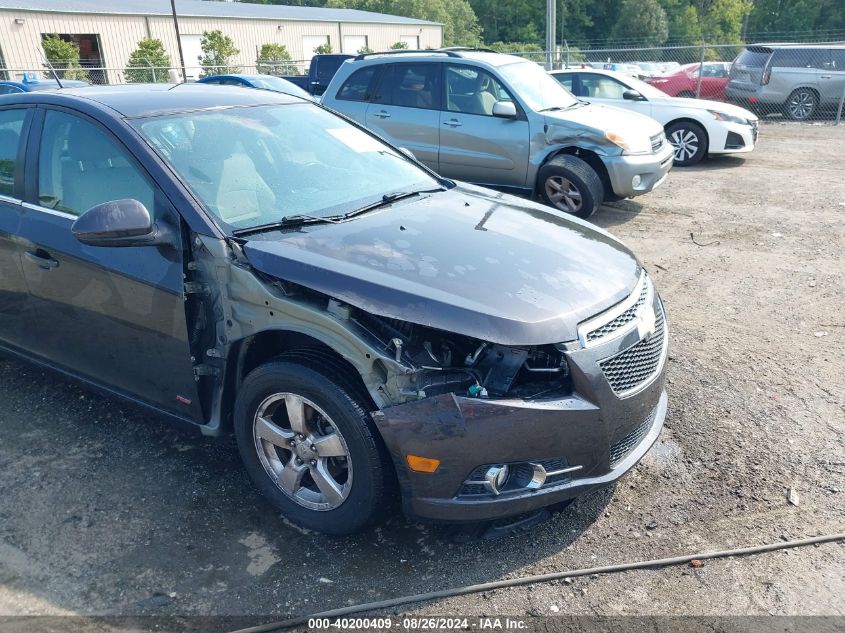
(801, 104)
(686, 144)
(563, 194)
(303, 451)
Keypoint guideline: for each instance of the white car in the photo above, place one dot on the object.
(695, 127)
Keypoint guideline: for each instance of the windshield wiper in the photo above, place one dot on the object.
(386, 199)
(286, 222)
(302, 219)
(570, 106)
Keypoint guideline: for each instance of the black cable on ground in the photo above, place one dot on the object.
(529, 580)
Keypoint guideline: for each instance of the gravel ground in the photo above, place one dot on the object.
(107, 509)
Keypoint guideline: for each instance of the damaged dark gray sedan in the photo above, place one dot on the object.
(249, 261)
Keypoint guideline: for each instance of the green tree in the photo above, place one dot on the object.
(398, 46)
(528, 50)
(275, 59)
(364, 50)
(324, 49)
(148, 63)
(643, 21)
(460, 24)
(217, 52)
(63, 56)
(721, 20)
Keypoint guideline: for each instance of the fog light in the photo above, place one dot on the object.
(635, 181)
(496, 478)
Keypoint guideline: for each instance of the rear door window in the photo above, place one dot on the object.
(837, 59)
(11, 124)
(798, 58)
(409, 86)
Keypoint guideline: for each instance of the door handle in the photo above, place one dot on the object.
(382, 115)
(453, 123)
(42, 259)
(824, 76)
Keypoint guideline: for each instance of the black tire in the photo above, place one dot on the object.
(367, 484)
(579, 185)
(689, 140)
(801, 104)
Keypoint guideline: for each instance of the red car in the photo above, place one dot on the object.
(683, 81)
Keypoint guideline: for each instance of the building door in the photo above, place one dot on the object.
(310, 42)
(192, 50)
(354, 43)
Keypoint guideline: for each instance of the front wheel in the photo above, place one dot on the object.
(309, 445)
(801, 104)
(689, 140)
(568, 183)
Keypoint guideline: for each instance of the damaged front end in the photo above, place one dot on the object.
(441, 362)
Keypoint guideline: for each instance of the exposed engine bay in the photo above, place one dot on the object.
(445, 362)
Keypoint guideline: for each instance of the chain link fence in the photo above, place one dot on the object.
(803, 82)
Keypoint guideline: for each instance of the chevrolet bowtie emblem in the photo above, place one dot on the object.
(647, 324)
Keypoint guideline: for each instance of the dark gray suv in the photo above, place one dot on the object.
(796, 79)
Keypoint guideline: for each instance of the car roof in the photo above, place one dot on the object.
(473, 54)
(44, 84)
(139, 100)
(774, 45)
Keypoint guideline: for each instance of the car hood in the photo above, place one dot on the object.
(468, 260)
(704, 104)
(603, 117)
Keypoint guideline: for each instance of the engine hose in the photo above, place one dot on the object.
(530, 580)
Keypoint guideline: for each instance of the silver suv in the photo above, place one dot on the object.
(503, 122)
(798, 80)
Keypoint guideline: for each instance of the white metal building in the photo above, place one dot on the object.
(108, 32)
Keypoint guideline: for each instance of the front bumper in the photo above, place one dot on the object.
(651, 168)
(595, 429)
(735, 138)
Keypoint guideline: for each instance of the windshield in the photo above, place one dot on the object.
(538, 89)
(279, 85)
(252, 166)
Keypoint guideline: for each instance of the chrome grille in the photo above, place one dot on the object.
(623, 447)
(657, 141)
(622, 320)
(632, 368)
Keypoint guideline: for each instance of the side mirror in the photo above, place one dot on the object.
(505, 109)
(407, 153)
(118, 223)
(632, 95)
